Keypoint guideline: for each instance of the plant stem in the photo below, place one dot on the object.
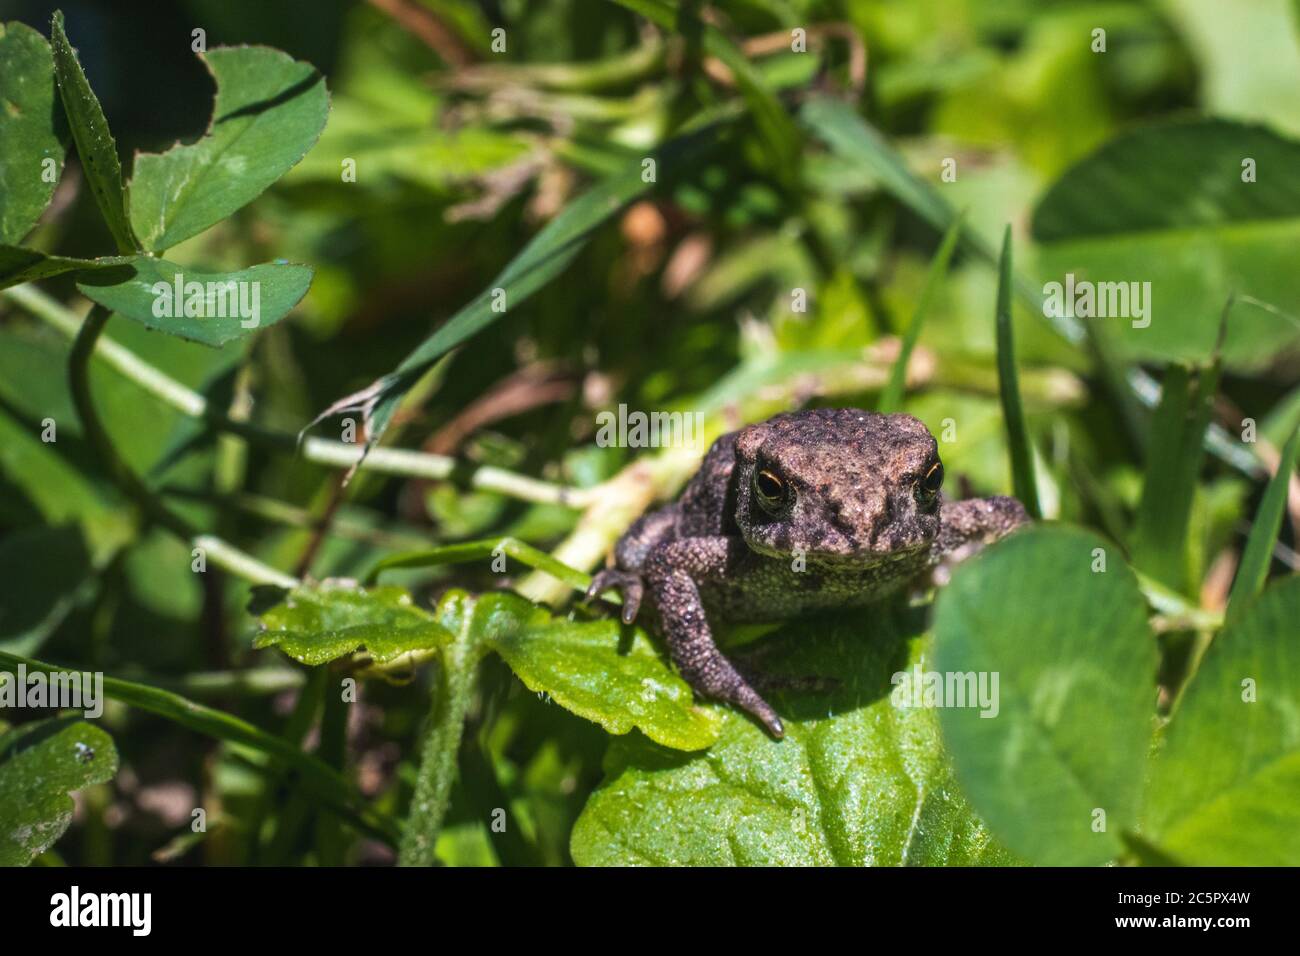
(438, 757)
(223, 554)
(390, 461)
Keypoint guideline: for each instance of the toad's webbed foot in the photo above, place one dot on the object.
(628, 584)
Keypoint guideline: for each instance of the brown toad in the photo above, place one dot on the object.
(827, 508)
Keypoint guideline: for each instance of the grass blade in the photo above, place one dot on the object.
(95, 143)
(1022, 459)
(1174, 455)
(852, 138)
(522, 552)
(544, 258)
(1253, 570)
(892, 396)
(316, 775)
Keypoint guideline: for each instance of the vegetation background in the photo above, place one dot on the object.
(681, 301)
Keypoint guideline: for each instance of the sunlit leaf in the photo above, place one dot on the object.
(1057, 773)
(856, 781)
(320, 623)
(270, 109)
(1199, 210)
(1223, 788)
(590, 668)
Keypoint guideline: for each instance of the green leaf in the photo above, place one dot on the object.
(849, 136)
(1076, 665)
(591, 669)
(215, 314)
(315, 624)
(1022, 456)
(1255, 559)
(1223, 788)
(856, 781)
(1168, 205)
(1174, 456)
(594, 669)
(19, 265)
(31, 129)
(95, 143)
(40, 764)
(270, 110)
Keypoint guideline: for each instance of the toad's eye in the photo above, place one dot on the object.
(770, 490)
(927, 489)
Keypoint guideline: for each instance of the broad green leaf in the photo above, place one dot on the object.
(1076, 666)
(208, 307)
(589, 668)
(1223, 788)
(1200, 210)
(1018, 444)
(594, 669)
(856, 781)
(95, 144)
(19, 265)
(32, 131)
(270, 110)
(1255, 559)
(315, 624)
(40, 764)
(1174, 455)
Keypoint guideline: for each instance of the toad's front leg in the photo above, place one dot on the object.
(674, 572)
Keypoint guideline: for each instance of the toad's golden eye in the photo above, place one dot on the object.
(770, 490)
(927, 489)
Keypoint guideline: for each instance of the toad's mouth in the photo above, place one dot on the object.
(865, 557)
